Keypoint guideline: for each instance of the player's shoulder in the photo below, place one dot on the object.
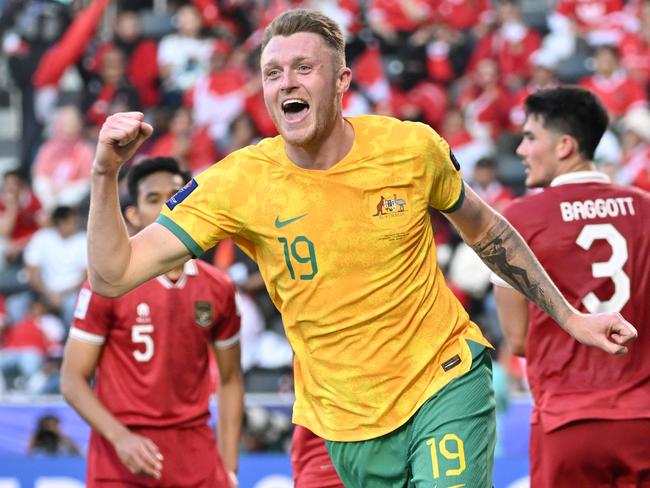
(384, 131)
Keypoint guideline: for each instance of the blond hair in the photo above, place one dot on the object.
(303, 20)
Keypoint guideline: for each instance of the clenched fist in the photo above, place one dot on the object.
(120, 137)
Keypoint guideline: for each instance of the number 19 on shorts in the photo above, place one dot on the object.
(452, 451)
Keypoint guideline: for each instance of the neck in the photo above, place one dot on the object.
(576, 165)
(326, 152)
(175, 273)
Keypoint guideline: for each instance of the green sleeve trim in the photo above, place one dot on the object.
(178, 231)
(460, 200)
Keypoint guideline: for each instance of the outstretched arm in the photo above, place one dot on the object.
(505, 252)
(116, 264)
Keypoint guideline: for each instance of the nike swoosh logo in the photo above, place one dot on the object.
(283, 223)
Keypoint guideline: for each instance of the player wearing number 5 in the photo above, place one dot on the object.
(591, 418)
(389, 369)
(149, 351)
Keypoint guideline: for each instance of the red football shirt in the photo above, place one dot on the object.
(156, 340)
(592, 238)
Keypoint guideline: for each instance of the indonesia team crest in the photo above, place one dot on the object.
(203, 313)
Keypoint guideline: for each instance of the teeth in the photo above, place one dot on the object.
(293, 100)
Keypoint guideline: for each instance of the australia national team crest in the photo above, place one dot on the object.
(203, 313)
(389, 208)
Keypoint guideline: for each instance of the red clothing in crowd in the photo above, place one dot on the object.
(618, 93)
(463, 14)
(200, 154)
(142, 69)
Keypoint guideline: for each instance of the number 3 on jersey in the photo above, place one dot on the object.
(612, 269)
(303, 251)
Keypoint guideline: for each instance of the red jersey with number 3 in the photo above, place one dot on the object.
(156, 339)
(593, 239)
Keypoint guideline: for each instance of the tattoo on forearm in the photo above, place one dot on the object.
(498, 249)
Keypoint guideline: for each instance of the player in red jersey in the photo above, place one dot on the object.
(310, 461)
(591, 417)
(149, 351)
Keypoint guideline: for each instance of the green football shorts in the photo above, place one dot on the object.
(448, 443)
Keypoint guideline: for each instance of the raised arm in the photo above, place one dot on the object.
(505, 252)
(116, 264)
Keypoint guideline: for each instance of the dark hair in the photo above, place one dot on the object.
(63, 212)
(149, 166)
(573, 111)
(304, 20)
(20, 173)
(486, 162)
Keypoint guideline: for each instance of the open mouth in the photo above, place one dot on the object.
(295, 109)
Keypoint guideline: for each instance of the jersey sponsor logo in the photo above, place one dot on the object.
(182, 194)
(454, 160)
(390, 207)
(283, 223)
(203, 313)
(144, 313)
(83, 300)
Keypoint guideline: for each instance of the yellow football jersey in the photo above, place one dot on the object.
(348, 257)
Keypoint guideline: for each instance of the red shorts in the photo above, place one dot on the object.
(191, 458)
(591, 453)
(310, 461)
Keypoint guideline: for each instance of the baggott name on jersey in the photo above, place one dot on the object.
(596, 209)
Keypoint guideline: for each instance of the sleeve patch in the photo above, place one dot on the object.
(182, 194)
(83, 300)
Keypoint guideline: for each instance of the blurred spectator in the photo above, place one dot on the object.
(635, 48)
(183, 57)
(219, 96)
(62, 167)
(467, 149)
(511, 44)
(543, 65)
(595, 22)
(35, 26)
(488, 187)
(242, 133)
(55, 260)
(485, 102)
(48, 439)
(355, 102)
(187, 142)
(401, 28)
(111, 87)
(616, 90)
(27, 343)
(140, 53)
(636, 147)
(20, 215)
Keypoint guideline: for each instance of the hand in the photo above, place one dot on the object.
(120, 137)
(607, 331)
(139, 454)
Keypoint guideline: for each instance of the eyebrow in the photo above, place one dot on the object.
(272, 62)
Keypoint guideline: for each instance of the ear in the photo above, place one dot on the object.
(343, 79)
(132, 217)
(566, 146)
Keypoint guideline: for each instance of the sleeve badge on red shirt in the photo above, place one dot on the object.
(203, 314)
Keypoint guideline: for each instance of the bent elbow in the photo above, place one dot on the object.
(104, 289)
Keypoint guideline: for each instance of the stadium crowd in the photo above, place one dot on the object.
(463, 67)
